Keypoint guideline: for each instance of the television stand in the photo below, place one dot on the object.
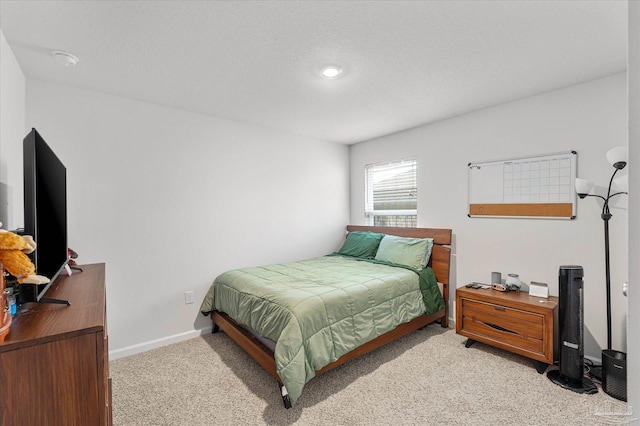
(70, 268)
(28, 293)
(54, 301)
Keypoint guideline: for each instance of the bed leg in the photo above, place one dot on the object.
(285, 397)
(215, 328)
(444, 323)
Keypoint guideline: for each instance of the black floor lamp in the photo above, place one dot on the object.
(613, 362)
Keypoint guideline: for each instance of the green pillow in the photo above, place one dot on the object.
(413, 252)
(361, 244)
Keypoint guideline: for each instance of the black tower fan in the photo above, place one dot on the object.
(570, 374)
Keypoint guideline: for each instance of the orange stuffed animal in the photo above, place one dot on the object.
(13, 254)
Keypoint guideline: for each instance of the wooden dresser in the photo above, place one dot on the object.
(513, 321)
(54, 363)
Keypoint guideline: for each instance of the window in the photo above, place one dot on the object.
(392, 194)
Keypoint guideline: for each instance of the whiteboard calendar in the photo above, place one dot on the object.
(540, 186)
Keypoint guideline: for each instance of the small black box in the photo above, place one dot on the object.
(27, 293)
(614, 374)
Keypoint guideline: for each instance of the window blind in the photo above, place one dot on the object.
(392, 193)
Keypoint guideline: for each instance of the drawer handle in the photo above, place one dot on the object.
(499, 308)
(497, 327)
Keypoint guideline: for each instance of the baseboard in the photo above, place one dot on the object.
(595, 360)
(153, 344)
(158, 343)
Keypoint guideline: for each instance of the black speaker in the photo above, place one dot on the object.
(614, 374)
(570, 374)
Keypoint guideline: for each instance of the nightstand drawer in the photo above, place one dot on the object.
(501, 317)
(489, 330)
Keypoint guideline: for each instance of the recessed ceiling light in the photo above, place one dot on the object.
(65, 58)
(331, 72)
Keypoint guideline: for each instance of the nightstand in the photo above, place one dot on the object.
(513, 321)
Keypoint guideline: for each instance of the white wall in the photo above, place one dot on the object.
(12, 130)
(170, 199)
(589, 118)
(633, 363)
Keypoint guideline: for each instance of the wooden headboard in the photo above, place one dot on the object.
(440, 255)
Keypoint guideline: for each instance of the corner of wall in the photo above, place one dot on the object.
(12, 127)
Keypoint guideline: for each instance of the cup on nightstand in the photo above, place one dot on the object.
(513, 282)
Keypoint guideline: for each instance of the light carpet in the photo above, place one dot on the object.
(425, 378)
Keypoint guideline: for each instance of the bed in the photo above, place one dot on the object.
(300, 319)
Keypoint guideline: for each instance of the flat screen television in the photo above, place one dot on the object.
(45, 209)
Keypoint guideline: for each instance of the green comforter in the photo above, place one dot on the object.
(317, 310)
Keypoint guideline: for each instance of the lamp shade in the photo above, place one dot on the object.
(617, 157)
(583, 187)
(622, 182)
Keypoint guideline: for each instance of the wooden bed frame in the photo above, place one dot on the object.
(439, 262)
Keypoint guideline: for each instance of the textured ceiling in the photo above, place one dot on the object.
(405, 63)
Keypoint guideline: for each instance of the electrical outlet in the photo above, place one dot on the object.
(188, 297)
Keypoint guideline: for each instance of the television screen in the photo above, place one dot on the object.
(45, 207)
